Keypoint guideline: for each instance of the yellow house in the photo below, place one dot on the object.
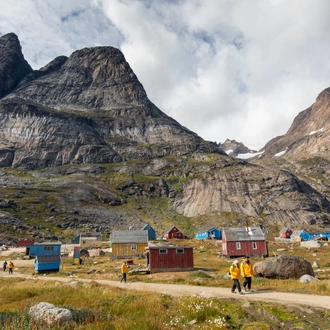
(128, 243)
(90, 240)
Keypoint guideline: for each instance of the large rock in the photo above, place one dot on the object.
(283, 267)
(48, 313)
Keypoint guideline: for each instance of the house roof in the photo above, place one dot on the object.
(284, 230)
(165, 245)
(241, 234)
(170, 229)
(146, 226)
(298, 232)
(208, 229)
(50, 258)
(48, 243)
(129, 236)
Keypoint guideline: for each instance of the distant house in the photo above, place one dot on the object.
(24, 242)
(173, 232)
(237, 242)
(168, 258)
(285, 232)
(88, 240)
(211, 233)
(128, 243)
(300, 235)
(47, 255)
(269, 236)
(151, 232)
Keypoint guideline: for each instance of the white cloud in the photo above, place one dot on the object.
(225, 69)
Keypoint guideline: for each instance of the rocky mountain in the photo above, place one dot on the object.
(234, 148)
(309, 133)
(82, 146)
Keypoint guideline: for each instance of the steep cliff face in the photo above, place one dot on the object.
(88, 108)
(309, 133)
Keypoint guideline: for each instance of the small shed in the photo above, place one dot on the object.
(173, 232)
(285, 232)
(210, 233)
(44, 249)
(47, 263)
(169, 258)
(237, 242)
(151, 232)
(128, 243)
(24, 242)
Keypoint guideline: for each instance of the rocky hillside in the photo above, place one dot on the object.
(234, 149)
(81, 145)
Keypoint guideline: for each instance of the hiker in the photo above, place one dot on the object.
(10, 267)
(124, 271)
(247, 273)
(234, 271)
(5, 265)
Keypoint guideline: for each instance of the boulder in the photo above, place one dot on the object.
(283, 267)
(307, 278)
(48, 313)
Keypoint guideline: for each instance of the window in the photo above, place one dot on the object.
(254, 245)
(48, 248)
(162, 251)
(238, 245)
(133, 246)
(179, 251)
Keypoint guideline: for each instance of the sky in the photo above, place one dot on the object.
(236, 69)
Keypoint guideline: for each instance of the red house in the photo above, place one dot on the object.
(173, 232)
(285, 233)
(25, 242)
(169, 258)
(238, 242)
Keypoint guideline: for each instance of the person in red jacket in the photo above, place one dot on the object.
(247, 273)
(234, 271)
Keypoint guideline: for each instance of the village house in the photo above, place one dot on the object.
(88, 240)
(24, 242)
(211, 233)
(285, 232)
(162, 257)
(174, 232)
(151, 232)
(128, 243)
(238, 242)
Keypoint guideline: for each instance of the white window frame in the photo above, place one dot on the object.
(238, 245)
(179, 251)
(162, 251)
(254, 246)
(133, 246)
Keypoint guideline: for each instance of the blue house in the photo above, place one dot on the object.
(211, 233)
(47, 263)
(151, 232)
(44, 249)
(300, 235)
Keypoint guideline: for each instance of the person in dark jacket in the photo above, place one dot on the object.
(4, 266)
(235, 272)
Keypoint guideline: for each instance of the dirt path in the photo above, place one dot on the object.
(206, 292)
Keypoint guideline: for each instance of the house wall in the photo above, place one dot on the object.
(246, 248)
(46, 266)
(44, 250)
(171, 260)
(86, 243)
(124, 250)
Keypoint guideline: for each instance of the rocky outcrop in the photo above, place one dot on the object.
(234, 148)
(13, 66)
(283, 267)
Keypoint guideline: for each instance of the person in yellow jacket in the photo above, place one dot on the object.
(124, 270)
(10, 267)
(247, 273)
(234, 271)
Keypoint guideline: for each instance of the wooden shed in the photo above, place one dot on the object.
(169, 258)
(128, 243)
(25, 242)
(47, 263)
(210, 233)
(173, 232)
(237, 242)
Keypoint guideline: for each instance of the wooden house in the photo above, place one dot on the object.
(300, 235)
(44, 249)
(88, 240)
(173, 232)
(269, 236)
(24, 242)
(168, 258)
(237, 242)
(211, 233)
(128, 243)
(285, 232)
(47, 263)
(151, 232)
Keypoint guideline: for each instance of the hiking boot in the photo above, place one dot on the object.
(245, 289)
(241, 292)
(233, 292)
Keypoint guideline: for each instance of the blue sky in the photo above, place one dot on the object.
(237, 69)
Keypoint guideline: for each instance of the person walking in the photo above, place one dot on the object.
(124, 271)
(4, 265)
(10, 267)
(234, 271)
(247, 273)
